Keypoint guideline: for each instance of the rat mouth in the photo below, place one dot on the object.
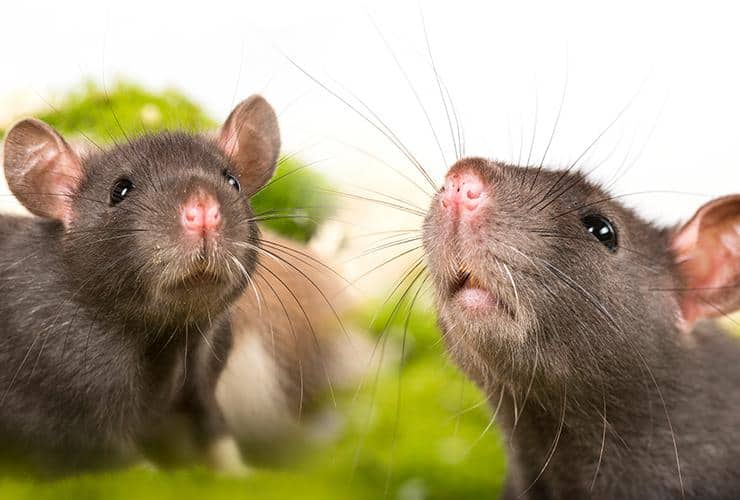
(464, 279)
(203, 271)
(469, 292)
(199, 277)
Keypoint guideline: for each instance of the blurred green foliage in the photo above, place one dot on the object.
(294, 197)
(125, 110)
(418, 433)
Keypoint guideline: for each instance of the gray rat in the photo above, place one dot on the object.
(114, 298)
(589, 330)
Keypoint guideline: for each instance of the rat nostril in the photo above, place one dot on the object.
(213, 215)
(192, 213)
(465, 190)
(201, 213)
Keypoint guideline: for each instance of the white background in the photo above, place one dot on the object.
(675, 69)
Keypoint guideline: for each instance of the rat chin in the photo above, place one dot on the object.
(476, 313)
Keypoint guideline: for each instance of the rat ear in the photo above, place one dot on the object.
(42, 170)
(707, 251)
(251, 139)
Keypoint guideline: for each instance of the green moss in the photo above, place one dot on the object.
(126, 110)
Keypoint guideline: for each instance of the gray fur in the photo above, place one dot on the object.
(101, 340)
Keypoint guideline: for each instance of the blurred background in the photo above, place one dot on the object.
(643, 97)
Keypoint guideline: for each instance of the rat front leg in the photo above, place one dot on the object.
(211, 432)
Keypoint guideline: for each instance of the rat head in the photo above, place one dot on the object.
(542, 276)
(160, 227)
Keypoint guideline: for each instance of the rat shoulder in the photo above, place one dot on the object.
(24, 232)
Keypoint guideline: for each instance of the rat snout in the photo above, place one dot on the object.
(200, 214)
(463, 192)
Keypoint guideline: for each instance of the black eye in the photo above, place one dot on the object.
(602, 230)
(233, 182)
(120, 190)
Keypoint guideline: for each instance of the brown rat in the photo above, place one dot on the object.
(587, 328)
(114, 298)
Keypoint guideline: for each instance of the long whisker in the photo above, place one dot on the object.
(585, 151)
(382, 128)
(601, 450)
(439, 84)
(554, 127)
(554, 444)
(402, 208)
(413, 89)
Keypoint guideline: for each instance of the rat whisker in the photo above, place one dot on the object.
(386, 262)
(395, 199)
(693, 289)
(624, 195)
(386, 233)
(382, 337)
(531, 379)
(546, 234)
(397, 206)
(588, 148)
(424, 190)
(400, 371)
(588, 173)
(601, 449)
(316, 287)
(513, 284)
(292, 331)
(439, 85)
(208, 342)
(414, 91)
(490, 423)
(288, 173)
(76, 130)
(305, 258)
(382, 128)
(534, 125)
(618, 176)
(308, 322)
(554, 444)
(385, 246)
(554, 129)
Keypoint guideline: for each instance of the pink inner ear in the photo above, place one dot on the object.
(58, 179)
(709, 254)
(228, 140)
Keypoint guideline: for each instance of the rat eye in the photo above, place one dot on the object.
(120, 190)
(602, 230)
(233, 182)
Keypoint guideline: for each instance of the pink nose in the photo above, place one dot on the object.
(200, 214)
(464, 190)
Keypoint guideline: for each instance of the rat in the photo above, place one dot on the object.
(115, 294)
(591, 332)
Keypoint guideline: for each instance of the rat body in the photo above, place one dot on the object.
(588, 330)
(114, 300)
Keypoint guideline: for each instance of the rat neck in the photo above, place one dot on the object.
(558, 446)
